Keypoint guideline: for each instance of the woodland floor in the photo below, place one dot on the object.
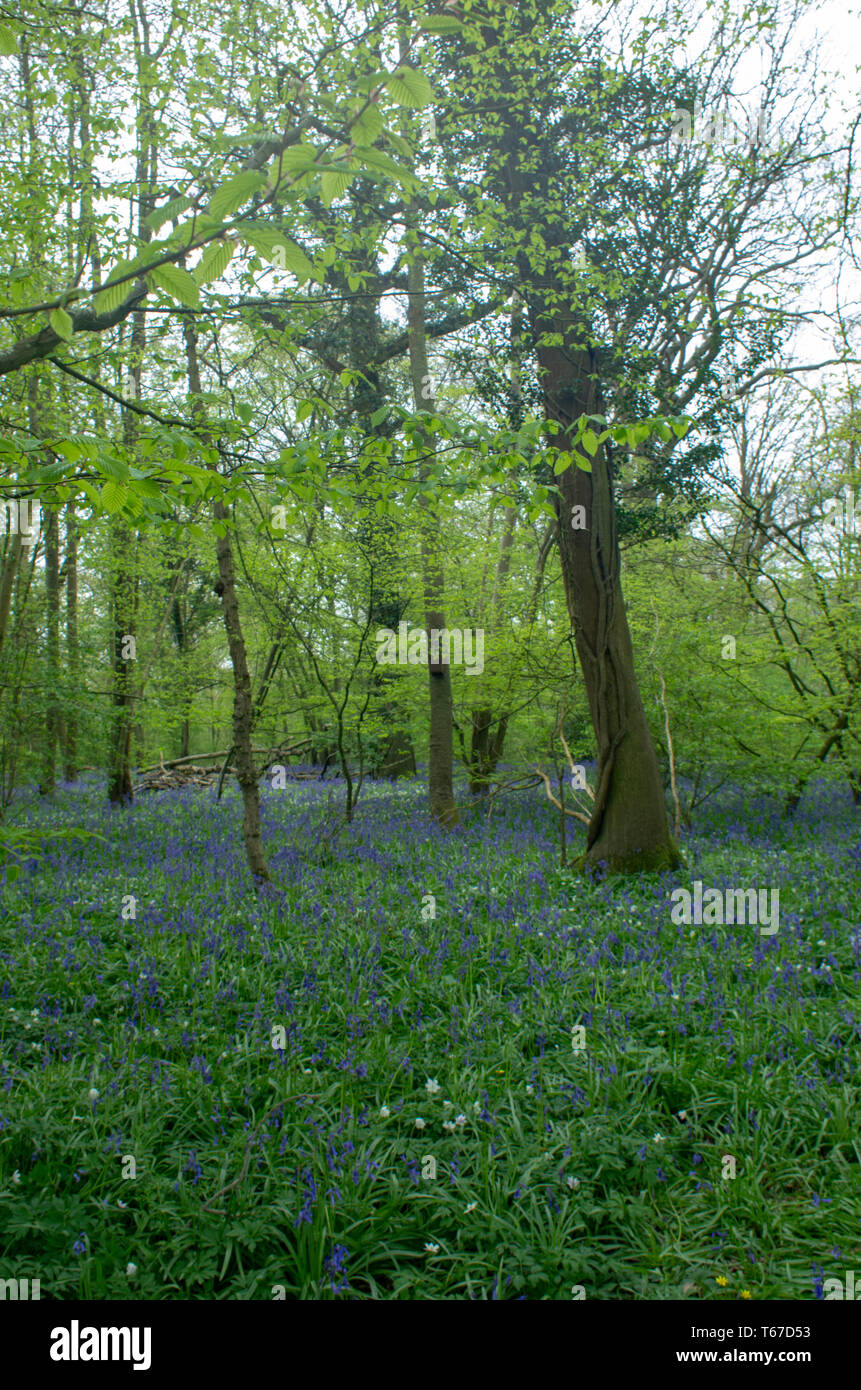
(305, 1171)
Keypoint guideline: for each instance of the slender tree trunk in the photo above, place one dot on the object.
(52, 651)
(123, 586)
(7, 582)
(441, 733)
(486, 746)
(243, 704)
(379, 537)
(124, 556)
(70, 723)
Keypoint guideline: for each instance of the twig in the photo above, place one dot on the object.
(243, 1172)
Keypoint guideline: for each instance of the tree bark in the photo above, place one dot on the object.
(441, 731)
(52, 652)
(7, 581)
(70, 723)
(123, 594)
(243, 705)
(629, 830)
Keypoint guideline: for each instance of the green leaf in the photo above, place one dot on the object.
(296, 159)
(89, 491)
(168, 212)
(113, 495)
(367, 127)
(113, 467)
(111, 297)
(177, 283)
(70, 451)
(214, 261)
(244, 411)
(276, 248)
(399, 143)
(333, 183)
(590, 442)
(384, 164)
(379, 416)
(409, 88)
(583, 464)
(230, 196)
(439, 23)
(305, 409)
(200, 225)
(61, 322)
(8, 41)
(562, 462)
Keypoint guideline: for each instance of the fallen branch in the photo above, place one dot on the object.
(276, 750)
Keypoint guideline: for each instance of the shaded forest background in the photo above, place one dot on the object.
(321, 322)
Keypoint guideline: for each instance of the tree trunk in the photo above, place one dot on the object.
(70, 723)
(7, 581)
(628, 831)
(243, 705)
(396, 757)
(441, 732)
(123, 587)
(479, 760)
(246, 772)
(123, 540)
(378, 536)
(52, 651)
(486, 747)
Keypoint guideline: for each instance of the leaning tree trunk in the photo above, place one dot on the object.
(628, 830)
(441, 732)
